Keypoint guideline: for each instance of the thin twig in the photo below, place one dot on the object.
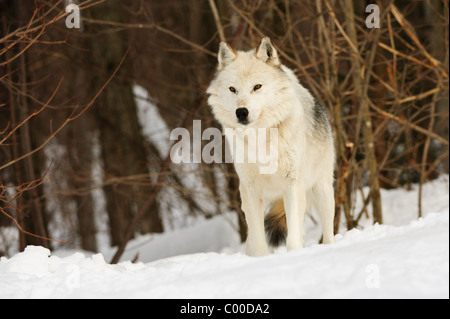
(217, 20)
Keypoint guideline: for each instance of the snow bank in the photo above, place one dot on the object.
(407, 259)
(208, 235)
(378, 262)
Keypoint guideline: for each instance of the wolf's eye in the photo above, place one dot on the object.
(232, 89)
(257, 87)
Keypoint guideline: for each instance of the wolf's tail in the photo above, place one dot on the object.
(275, 224)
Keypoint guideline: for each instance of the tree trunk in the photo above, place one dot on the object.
(80, 149)
(364, 118)
(35, 223)
(122, 144)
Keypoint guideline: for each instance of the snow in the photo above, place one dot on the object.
(405, 258)
(156, 131)
(153, 125)
(212, 235)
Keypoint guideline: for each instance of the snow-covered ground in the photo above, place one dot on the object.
(405, 258)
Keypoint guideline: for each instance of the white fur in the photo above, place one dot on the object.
(305, 156)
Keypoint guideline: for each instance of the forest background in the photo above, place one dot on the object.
(85, 112)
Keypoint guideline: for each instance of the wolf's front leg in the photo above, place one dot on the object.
(295, 206)
(253, 207)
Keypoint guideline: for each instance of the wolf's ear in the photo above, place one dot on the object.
(266, 52)
(226, 55)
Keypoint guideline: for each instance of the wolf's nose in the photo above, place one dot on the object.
(242, 114)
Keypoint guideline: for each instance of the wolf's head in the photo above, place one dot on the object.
(251, 89)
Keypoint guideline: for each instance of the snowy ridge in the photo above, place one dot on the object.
(378, 262)
(407, 259)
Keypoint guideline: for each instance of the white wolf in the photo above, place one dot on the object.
(254, 90)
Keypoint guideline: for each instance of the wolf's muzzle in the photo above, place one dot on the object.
(242, 115)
